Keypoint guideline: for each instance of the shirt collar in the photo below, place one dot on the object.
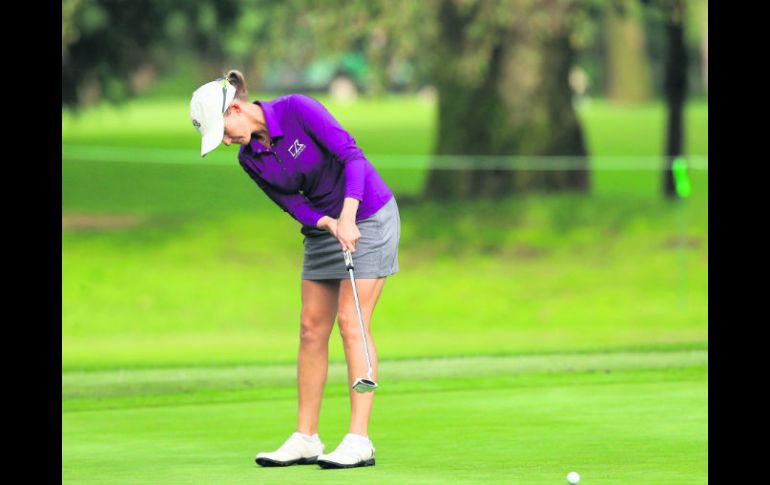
(273, 127)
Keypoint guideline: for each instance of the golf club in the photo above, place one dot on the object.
(360, 385)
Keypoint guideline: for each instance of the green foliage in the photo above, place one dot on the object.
(105, 43)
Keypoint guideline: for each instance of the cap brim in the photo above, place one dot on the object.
(213, 136)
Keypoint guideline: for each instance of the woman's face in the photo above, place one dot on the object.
(237, 128)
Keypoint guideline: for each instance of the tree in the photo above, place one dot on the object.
(501, 67)
(501, 70)
(105, 43)
(628, 70)
(675, 84)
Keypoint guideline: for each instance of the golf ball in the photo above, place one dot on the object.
(573, 477)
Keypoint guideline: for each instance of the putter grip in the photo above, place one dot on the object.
(348, 259)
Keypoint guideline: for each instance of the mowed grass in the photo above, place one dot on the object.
(613, 417)
(522, 339)
(550, 273)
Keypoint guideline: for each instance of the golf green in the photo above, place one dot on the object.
(615, 417)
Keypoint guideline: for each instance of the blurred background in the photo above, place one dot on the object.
(529, 143)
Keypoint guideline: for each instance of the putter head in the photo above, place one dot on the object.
(364, 385)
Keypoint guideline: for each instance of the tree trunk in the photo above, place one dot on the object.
(676, 86)
(705, 50)
(521, 104)
(628, 70)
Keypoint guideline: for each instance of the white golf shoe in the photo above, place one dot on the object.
(294, 451)
(354, 451)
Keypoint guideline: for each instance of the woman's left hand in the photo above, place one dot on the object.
(348, 234)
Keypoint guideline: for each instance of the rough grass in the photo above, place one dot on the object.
(533, 274)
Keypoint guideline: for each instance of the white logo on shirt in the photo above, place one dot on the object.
(296, 149)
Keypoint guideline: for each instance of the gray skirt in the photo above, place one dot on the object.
(376, 252)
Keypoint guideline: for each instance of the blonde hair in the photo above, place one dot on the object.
(236, 79)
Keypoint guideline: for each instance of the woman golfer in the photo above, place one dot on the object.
(306, 162)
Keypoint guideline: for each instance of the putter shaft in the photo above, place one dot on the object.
(349, 266)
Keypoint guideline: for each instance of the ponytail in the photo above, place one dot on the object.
(236, 79)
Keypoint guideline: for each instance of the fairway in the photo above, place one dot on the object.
(615, 417)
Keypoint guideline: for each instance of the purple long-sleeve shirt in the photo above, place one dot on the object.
(314, 163)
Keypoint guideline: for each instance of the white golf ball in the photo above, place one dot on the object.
(573, 477)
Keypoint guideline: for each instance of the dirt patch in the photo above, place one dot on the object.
(527, 252)
(85, 222)
(676, 242)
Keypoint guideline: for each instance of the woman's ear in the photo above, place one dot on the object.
(235, 107)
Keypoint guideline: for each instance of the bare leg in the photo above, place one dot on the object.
(369, 291)
(319, 308)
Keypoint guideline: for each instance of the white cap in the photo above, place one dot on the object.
(207, 107)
